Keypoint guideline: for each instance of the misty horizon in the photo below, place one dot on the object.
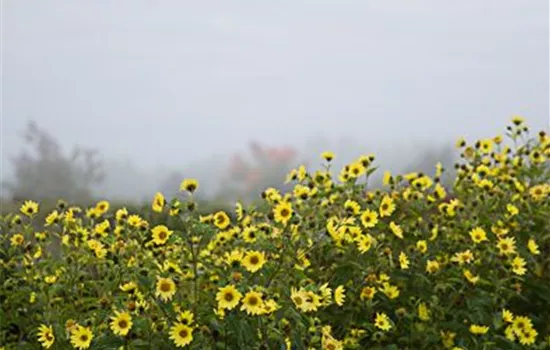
(182, 87)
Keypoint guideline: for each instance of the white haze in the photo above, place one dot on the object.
(162, 86)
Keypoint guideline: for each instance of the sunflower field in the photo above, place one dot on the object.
(332, 264)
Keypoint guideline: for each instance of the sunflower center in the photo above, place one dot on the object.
(254, 260)
(84, 337)
(285, 212)
(48, 337)
(165, 287)
(384, 206)
(162, 235)
(122, 324)
(228, 297)
(253, 301)
(183, 333)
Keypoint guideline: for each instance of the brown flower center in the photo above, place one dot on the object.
(253, 301)
(228, 296)
(165, 287)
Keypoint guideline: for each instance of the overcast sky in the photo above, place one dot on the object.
(168, 82)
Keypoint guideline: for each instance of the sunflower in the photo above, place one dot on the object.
(253, 303)
(422, 246)
(533, 247)
(478, 330)
(221, 220)
(432, 266)
(364, 244)
(396, 229)
(81, 337)
(403, 261)
(423, 312)
(249, 234)
(239, 210)
(253, 260)
(328, 156)
(166, 288)
(312, 301)
(528, 337)
(189, 185)
(478, 235)
(507, 316)
(369, 218)
(101, 207)
(367, 293)
(17, 239)
(352, 207)
(485, 146)
(282, 212)
(128, 287)
(186, 318)
(52, 218)
(387, 206)
(158, 202)
(297, 297)
(161, 234)
(382, 321)
(29, 208)
(121, 323)
(506, 246)
(464, 257)
(228, 297)
(46, 336)
(181, 334)
(473, 279)
(339, 295)
(518, 266)
(517, 120)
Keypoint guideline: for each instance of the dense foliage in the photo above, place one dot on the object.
(331, 264)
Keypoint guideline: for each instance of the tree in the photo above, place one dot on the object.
(45, 172)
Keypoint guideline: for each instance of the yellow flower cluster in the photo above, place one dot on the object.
(457, 259)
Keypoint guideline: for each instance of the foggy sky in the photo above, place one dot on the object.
(169, 83)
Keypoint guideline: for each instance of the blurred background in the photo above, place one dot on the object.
(120, 99)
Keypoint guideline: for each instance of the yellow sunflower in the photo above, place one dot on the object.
(382, 321)
(283, 212)
(166, 288)
(101, 207)
(506, 246)
(121, 323)
(228, 297)
(17, 239)
(181, 334)
(81, 337)
(369, 218)
(387, 206)
(403, 261)
(46, 336)
(339, 295)
(328, 156)
(221, 220)
(253, 260)
(253, 303)
(158, 202)
(478, 329)
(29, 208)
(478, 235)
(189, 185)
(161, 234)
